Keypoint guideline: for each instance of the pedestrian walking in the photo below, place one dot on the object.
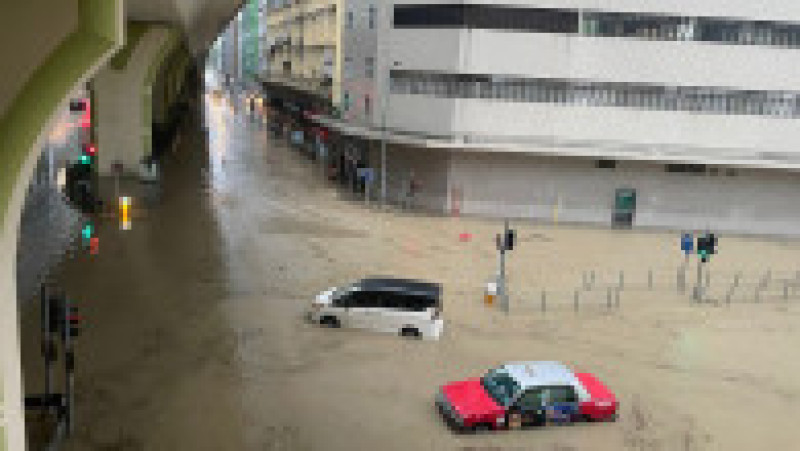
(414, 186)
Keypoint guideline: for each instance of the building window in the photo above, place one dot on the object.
(349, 20)
(348, 67)
(428, 16)
(367, 105)
(542, 20)
(347, 100)
(606, 164)
(369, 67)
(595, 23)
(686, 168)
(373, 13)
(587, 93)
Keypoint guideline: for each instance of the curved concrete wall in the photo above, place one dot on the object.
(83, 35)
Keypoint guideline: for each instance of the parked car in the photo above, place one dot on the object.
(407, 307)
(521, 394)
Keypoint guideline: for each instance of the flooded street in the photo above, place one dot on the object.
(194, 338)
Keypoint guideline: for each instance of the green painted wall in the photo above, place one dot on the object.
(134, 32)
(32, 107)
(100, 18)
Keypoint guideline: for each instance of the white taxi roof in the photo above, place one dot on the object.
(532, 374)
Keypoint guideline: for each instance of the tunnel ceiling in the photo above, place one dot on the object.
(201, 21)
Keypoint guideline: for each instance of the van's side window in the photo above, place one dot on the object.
(342, 301)
(387, 299)
(414, 303)
(364, 299)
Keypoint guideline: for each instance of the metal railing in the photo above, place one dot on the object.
(603, 290)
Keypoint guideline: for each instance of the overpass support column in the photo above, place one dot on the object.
(56, 47)
(125, 99)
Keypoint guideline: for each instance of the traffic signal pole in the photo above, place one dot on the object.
(70, 327)
(501, 282)
(698, 287)
(47, 343)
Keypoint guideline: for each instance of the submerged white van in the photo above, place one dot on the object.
(406, 307)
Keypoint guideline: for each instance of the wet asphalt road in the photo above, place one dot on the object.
(194, 341)
(167, 359)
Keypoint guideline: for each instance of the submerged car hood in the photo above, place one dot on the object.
(326, 297)
(469, 398)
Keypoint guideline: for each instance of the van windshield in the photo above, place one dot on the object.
(339, 292)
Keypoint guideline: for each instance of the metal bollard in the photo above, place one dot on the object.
(585, 280)
(681, 280)
(758, 294)
(650, 278)
(708, 277)
(608, 299)
(621, 280)
(577, 293)
(617, 298)
(593, 278)
(736, 278)
(544, 301)
(785, 291)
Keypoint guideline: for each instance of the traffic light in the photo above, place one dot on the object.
(72, 319)
(86, 233)
(56, 314)
(703, 247)
(510, 240)
(712, 244)
(88, 154)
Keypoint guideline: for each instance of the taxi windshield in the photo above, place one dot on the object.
(500, 386)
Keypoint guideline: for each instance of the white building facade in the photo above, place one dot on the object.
(541, 106)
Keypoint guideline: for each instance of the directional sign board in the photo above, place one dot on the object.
(687, 243)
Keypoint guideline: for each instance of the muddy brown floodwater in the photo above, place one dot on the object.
(193, 338)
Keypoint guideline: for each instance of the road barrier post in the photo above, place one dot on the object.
(544, 301)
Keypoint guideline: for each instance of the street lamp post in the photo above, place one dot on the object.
(383, 151)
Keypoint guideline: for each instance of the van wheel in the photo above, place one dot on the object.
(330, 321)
(410, 332)
(481, 428)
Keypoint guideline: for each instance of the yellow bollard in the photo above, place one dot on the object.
(491, 294)
(124, 216)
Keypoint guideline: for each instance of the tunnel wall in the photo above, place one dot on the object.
(83, 36)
